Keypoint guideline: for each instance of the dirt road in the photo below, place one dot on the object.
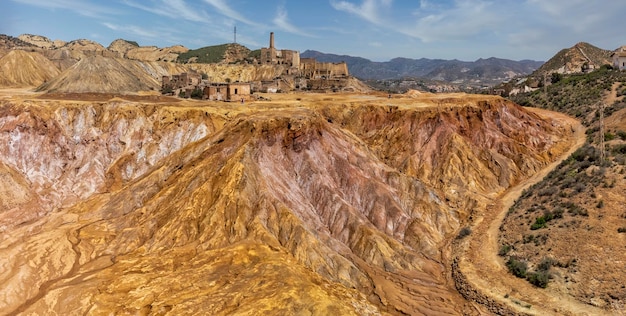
(485, 270)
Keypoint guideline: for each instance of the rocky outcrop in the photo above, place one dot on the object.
(122, 46)
(153, 53)
(132, 50)
(474, 295)
(41, 41)
(65, 153)
(84, 45)
(10, 42)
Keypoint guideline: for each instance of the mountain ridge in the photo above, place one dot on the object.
(488, 70)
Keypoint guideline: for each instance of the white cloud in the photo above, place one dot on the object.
(85, 8)
(175, 9)
(133, 30)
(464, 19)
(369, 10)
(227, 11)
(432, 21)
(282, 21)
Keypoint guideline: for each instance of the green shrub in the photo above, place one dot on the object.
(197, 94)
(539, 278)
(517, 267)
(545, 264)
(504, 250)
(540, 222)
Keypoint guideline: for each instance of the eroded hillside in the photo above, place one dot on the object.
(320, 204)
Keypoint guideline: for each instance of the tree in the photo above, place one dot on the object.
(167, 90)
(196, 94)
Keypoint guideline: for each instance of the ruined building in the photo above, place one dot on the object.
(190, 84)
(301, 73)
(273, 56)
(181, 81)
(312, 69)
(226, 91)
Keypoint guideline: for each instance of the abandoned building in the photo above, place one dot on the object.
(226, 91)
(191, 85)
(300, 73)
(181, 81)
(273, 56)
(619, 58)
(312, 69)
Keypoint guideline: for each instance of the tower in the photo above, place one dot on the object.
(271, 40)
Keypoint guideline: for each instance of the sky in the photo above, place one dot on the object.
(375, 29)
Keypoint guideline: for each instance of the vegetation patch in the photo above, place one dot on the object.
(517, 267)
(571, 199)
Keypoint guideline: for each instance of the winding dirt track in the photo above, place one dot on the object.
(486, 271)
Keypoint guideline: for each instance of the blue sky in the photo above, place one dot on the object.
(375, 29)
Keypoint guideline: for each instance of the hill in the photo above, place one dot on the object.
(99, 74)
(480, 72)
(10, 42)
(225, 53)
(122, 46)
(319, 204)
(575, 59)
(41, 41)
(23, 69)
(132, 50)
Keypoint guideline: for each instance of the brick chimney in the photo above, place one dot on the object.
(271, 39)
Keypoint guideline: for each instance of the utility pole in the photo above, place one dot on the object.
(235, 34)
(602, 147)
(545, 88)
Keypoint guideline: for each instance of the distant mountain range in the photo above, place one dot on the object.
(480, 72)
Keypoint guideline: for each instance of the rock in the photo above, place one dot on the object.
(41, 41)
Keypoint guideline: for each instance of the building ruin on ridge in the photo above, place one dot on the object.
(300, 73)
(296, 74)
(191, 84)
